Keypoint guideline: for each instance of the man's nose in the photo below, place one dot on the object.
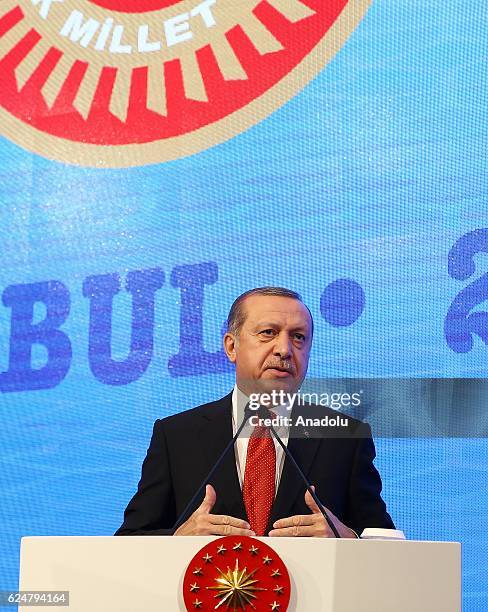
(283, 346)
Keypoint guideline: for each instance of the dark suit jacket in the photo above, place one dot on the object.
(185, 446)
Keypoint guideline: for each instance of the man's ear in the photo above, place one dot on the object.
(230, 343)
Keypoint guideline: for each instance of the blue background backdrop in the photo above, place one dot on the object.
(375, 173)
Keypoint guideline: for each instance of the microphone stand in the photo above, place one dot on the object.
(181, 519)
(264, 414)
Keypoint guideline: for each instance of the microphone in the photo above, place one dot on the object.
(183, 516)
(263, 413)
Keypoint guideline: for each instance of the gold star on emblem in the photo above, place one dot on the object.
(235, 588)
(207, 558)
(237, 546)
(221, 549)
(275, 605)
(197, 603)
(194, 587)
(253, 550)
(198, 571)
(275, 573)
(267, 560)
(278, 589)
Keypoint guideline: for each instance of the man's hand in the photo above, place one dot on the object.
(310, 525)
(201, 522)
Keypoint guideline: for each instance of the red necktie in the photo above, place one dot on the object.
(258, 488)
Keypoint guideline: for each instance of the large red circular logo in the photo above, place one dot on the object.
(128, 82)
(236, 573)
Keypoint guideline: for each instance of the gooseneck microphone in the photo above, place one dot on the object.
(263, 413)
(183, 516)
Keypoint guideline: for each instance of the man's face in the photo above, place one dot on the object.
(272, 349)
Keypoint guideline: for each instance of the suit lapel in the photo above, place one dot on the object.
(303, 449)
(216, 433)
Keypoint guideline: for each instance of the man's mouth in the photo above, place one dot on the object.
(279, 371)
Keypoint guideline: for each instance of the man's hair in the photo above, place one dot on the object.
(237, 312)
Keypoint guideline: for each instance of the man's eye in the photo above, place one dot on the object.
(300, 337)
(267, 332)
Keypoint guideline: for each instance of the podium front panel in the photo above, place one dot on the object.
(135, 573)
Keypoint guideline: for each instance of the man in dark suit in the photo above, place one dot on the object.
(256, 490)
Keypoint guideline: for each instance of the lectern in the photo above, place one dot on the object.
(141, 573)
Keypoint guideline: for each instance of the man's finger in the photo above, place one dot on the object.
(224, 519)
(294, 532)
(226, 530)
(209, 500)
(294, 521)
(309, 500)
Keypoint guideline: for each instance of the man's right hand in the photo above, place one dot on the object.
(201, 522)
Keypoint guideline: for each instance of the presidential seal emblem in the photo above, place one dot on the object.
(237, 573)
(120, 83)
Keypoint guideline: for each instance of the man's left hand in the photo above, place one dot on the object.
(310, 525)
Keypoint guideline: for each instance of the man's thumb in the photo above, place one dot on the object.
(209, 500)
(309, 500)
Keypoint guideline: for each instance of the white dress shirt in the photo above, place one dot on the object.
(239, 402)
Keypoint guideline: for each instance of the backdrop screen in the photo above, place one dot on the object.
(338, 149)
